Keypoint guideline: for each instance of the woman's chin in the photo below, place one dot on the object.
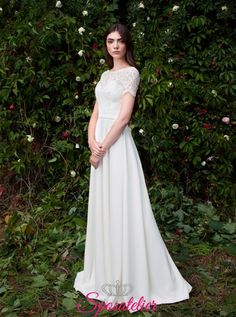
(118, 56)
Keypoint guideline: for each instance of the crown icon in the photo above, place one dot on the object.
(117, 289)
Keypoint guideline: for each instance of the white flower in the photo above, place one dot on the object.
(134, 24)
(34, 125)
(72, 173)
(1, 9)
(77, 78)
(85, 13)
(170, 84)
(226, 137)
(76, 97)
(226, 120)
(175, 126)
(148, 18)
(141, 34)
(95, 82)
(141, 131)
(224, 8)
(81, 53)
(141, 5)
(57, 119)
(102, 61)
(81, 30)
(175, 8)
(203, 163)
(77, 146)
(186, 127)
(167, 31)
(30, 138)
(58, 4)
(210, 158)
(28, 59)
(170, 60)
(19, 160)
(214, 93)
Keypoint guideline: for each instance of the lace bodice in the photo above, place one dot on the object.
(112, 86)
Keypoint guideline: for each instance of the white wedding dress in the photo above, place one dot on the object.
(125, 255)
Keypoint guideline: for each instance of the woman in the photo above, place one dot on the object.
(126, 260)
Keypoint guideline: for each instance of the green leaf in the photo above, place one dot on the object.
(216, 225)
(54, 159)
(197, 160)
(2, 289)
(187, 228)
(39, 281)
(70, 295)
(69, 303)
(17, 303)
(46, 97)
(217, 238)
(231, 249)
(230, 227)
(72, 210)
(223, 313)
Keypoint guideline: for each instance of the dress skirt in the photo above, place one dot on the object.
(125, 255)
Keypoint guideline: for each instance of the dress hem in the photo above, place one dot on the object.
(153, 300)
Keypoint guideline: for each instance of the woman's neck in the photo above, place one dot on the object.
(118, 64)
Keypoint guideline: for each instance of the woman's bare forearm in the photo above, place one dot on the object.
(114, 133)
(120, 123)
(92, 124)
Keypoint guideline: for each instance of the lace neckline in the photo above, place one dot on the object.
(118, 70)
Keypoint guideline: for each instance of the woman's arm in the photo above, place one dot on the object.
(95, 147)
(92, 125)
(127, 104)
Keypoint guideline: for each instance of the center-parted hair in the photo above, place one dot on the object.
(126, 37)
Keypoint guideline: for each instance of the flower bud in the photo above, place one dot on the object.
(72, 173)
(58, 4)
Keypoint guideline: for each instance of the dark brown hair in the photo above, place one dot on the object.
(126, 37)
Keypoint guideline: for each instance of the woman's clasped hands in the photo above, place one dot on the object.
(98, 152)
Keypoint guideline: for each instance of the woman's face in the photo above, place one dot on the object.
(115, 45)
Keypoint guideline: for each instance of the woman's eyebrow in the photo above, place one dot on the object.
(110, 38)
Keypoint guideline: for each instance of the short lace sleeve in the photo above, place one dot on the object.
(130, 81)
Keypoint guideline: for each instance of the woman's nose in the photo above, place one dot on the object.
(115, 44)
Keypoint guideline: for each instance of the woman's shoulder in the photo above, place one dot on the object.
(132, 73)
(104, 74)
(129, 72)
(133, 69)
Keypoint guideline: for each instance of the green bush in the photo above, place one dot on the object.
(50, 61)
(187, 58)
(184, 125)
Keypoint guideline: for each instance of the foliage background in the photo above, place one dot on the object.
(49, 68)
